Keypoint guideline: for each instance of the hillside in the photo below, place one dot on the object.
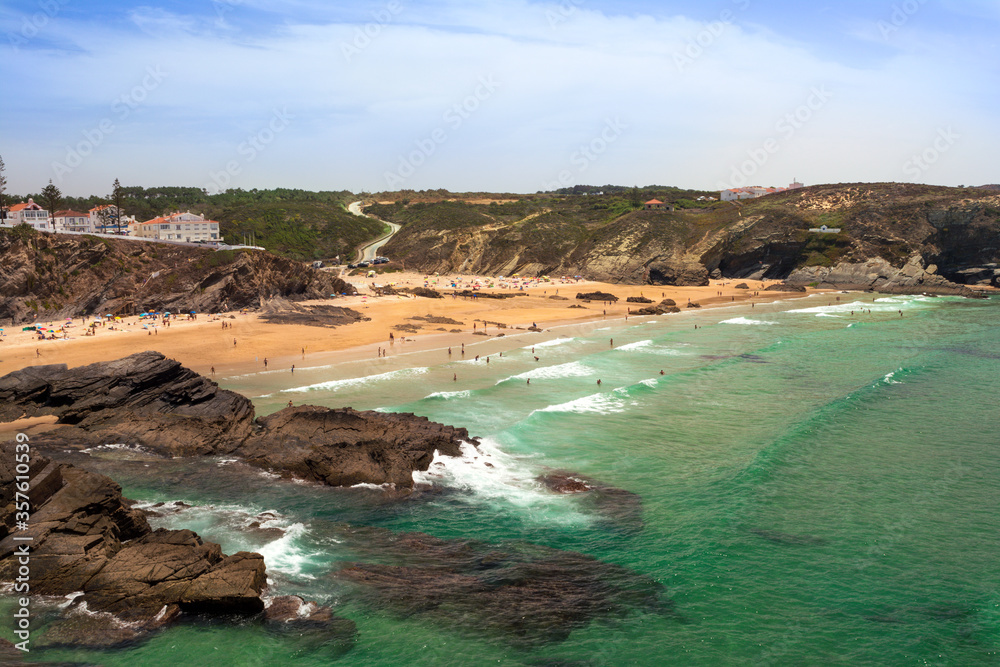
(47, 277)
(942, 234)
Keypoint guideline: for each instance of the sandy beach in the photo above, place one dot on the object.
(246, 341)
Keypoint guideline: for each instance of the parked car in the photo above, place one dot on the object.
(364, 265)
(352, 266)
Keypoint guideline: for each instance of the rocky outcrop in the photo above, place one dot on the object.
(664, 307)
(784, 287)
(682, 273)
(283, 311)
(638, 299)
(154, 402)
(880, 276)
(596, 296)
(344, 447)
(86, 538)
(54, 276)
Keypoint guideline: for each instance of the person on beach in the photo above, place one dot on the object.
(536, 358)
(289, 404)
(598, 382)
(612, 342)
(265, 363)
(213, 371)
(661, 372)
(234, 342)
(454, 377)
(293, 368)
(529, 381)
(449, 351)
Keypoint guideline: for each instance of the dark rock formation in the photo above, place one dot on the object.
(742, 286)
(597, 296)
(488, 295)
(784, 287)
(282, 311)
(344, 447)
(618, 509)
(687, 273)
(693, 304)
(638, 299)
(85, 537)
(527, 595)
(425, 292)
(880, 276)
(151, 401)
(662, 308)
(556, 297)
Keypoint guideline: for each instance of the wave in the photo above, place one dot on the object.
(550, 343)
(490, 476)
(567, 370)
(287, 553)
(746, 321)
(649, 347)
(448, 395)
(880, 305)
(602, 404)
(336, 385)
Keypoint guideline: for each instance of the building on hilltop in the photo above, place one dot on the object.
(187, 226)
(72, 221)
(107, 219)
(657, 205)
(28, 213)
(755, 191)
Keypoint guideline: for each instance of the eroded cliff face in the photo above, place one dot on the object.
(51, 276)
(910, 237)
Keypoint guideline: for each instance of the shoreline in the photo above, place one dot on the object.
(204, 344)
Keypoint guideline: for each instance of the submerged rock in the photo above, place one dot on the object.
(525, 594)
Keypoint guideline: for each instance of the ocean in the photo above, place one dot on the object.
(813, 481)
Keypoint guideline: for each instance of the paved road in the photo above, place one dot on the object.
(369, 252)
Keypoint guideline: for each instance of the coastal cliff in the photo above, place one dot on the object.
(887, 236)
(54, 276)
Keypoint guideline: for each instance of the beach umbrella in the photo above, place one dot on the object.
(193, 313)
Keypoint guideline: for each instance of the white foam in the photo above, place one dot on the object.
(888, 379)
(375, 487)
(567, 370)
(601, 404)
(336, 385)
(286, 555)
(448, 395)
(882, 305)
(491, 476)
(746, 321)
(648, 347)
(550, 343)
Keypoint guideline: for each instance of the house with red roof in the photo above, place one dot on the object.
(28, 213)
(189, 227)
(72, 221)
(657, 205)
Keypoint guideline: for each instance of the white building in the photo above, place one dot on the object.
(186, 226)
(72, 221)
(30, 214)
(105, 219)
(755, 191)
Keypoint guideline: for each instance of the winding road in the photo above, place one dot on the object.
(367, 253)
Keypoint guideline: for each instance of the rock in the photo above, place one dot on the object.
(290, 612)
(597, 296)
(425, 292)
(528, 595)
(344, 447)
(742, 286)
(662, 308)
(693, 304)
(878, 275)
(576, 305)
(564, 483)
(154, 402)
(143, 398)
(556, 297)
(716, 274)
(618, 509)
(638, 299)
(685, 272)
(784, 287)
(282, 311)
(85, 537)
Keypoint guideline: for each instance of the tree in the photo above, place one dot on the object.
(635, 197)
(52, 198)
(116, 197)
(3, 186)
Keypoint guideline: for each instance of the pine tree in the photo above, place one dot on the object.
(52, 198)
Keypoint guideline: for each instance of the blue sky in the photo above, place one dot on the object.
(512, 96)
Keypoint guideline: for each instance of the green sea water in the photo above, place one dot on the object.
(819, 484)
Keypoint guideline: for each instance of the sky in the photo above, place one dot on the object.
(505, 96)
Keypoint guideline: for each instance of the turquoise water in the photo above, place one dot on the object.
(816, 487)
